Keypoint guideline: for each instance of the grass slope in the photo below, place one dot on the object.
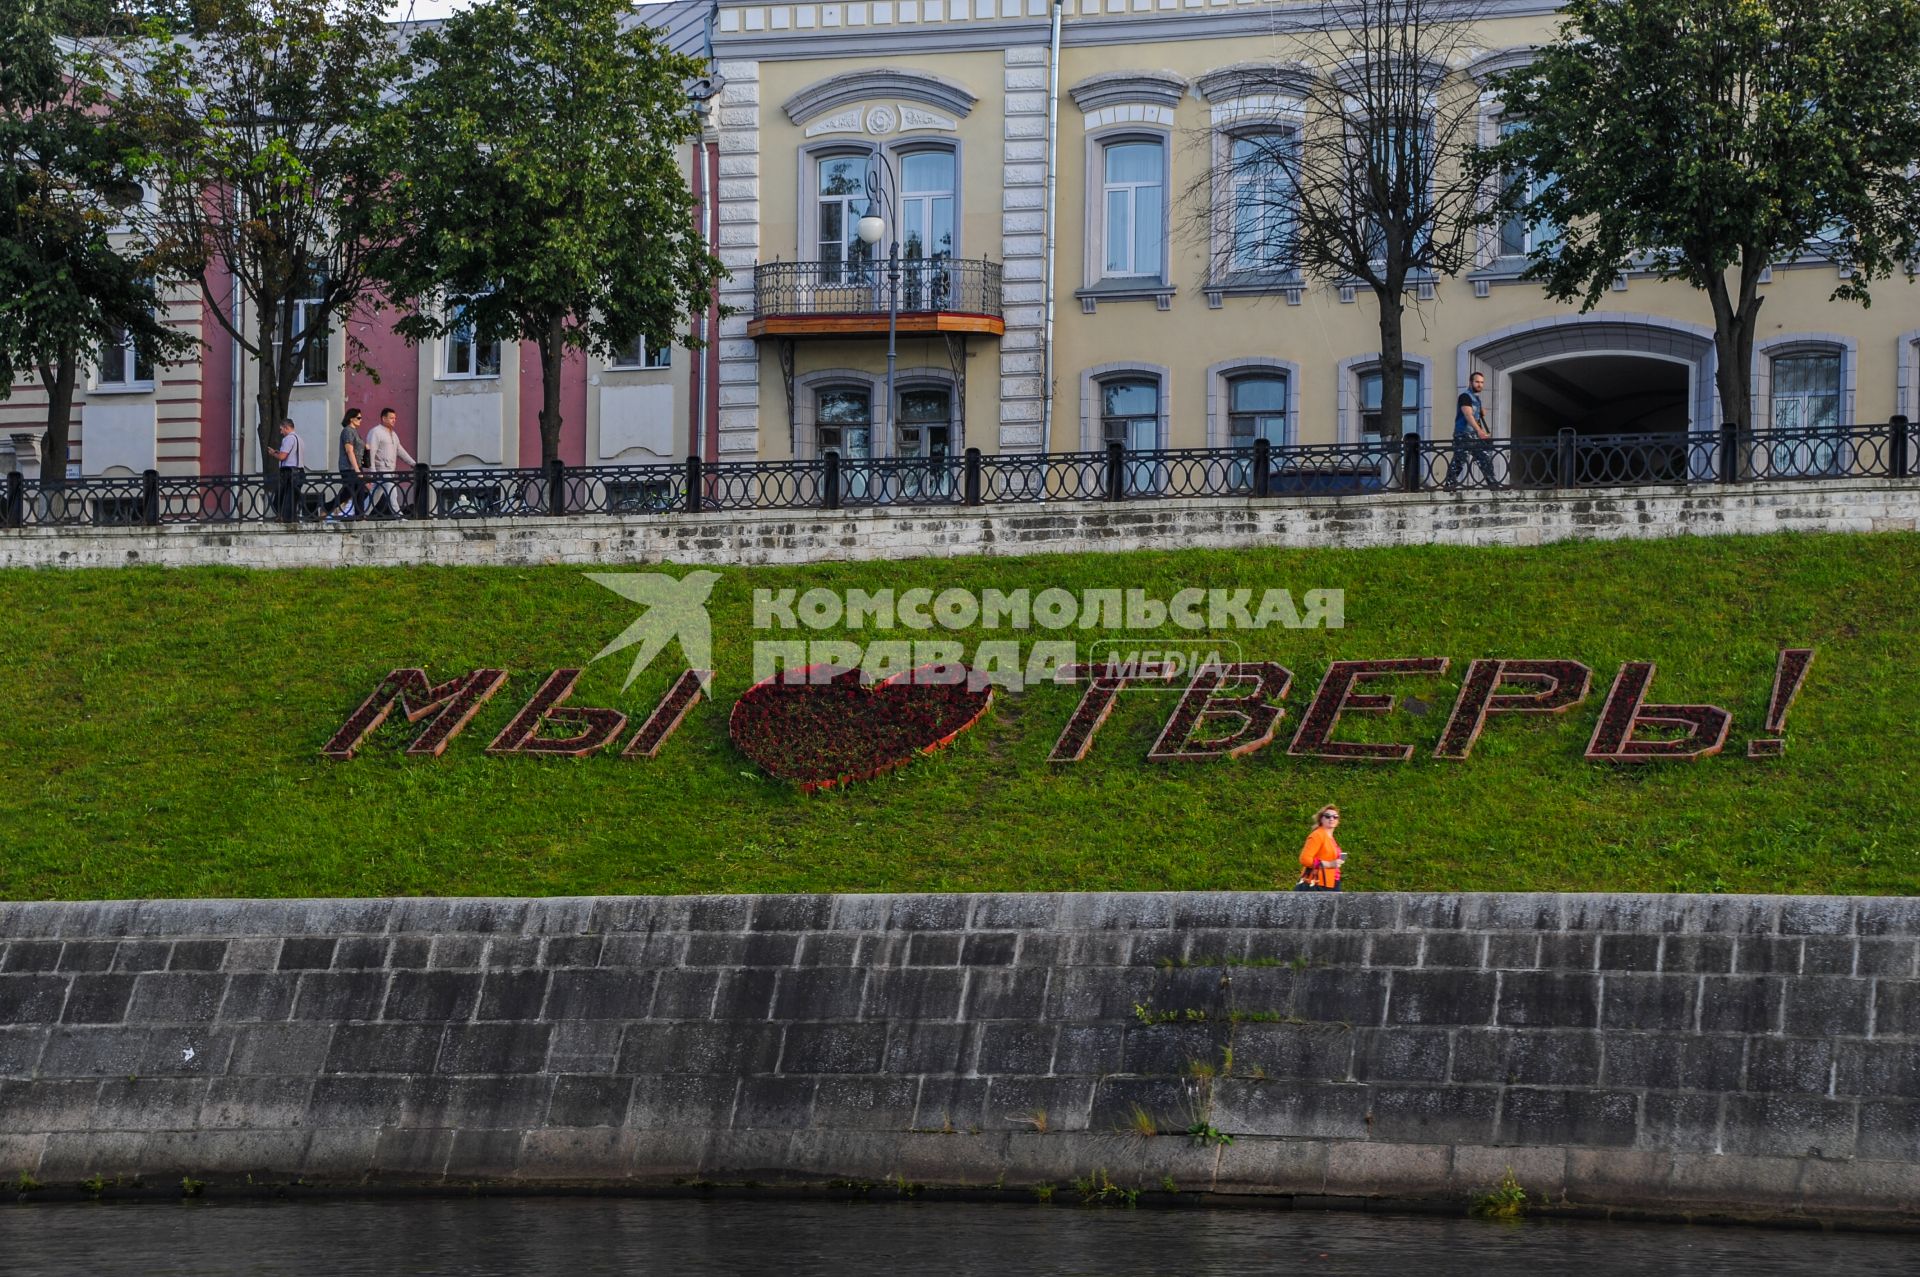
(161, 732)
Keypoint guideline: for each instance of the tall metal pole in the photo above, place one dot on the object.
(893, 322)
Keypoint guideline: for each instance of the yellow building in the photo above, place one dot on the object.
(947, 103)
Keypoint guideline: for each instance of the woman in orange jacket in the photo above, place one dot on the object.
(1321, 858)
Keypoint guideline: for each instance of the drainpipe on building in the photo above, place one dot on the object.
(697, 417)
(234, 454)
(1053, 154)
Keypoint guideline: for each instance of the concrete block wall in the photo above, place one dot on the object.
(740, 538)
(1690, 1055)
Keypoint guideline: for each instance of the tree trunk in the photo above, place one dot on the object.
(58, 379)
(1393, 362)
(553, 353)
(274, 392)
(1735, 323)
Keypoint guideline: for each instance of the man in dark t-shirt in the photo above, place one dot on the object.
(1472, 441)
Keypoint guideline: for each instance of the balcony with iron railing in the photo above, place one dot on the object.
(854, 299)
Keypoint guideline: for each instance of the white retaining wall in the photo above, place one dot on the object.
(811, 536)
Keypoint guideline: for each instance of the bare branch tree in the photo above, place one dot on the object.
(1348, 162)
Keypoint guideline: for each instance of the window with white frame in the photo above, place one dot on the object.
(1807, 390)
(639, 353)
(1518, 237)
(1260, 168)
(927, 189)
(123, 364)
(1133, 186)
(464, 355)
(1257, 409)
(841, 200)
(315, 338)
(1373, 425)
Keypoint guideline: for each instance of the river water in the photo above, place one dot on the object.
(479, 1237)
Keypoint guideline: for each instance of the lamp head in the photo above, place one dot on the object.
(870, 228)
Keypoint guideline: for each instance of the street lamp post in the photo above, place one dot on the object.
(871, 228)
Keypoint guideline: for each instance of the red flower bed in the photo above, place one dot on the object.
(833, 728)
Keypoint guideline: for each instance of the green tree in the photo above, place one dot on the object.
(1707, 140)
(69, 173)
(538, 194)
(261, 132)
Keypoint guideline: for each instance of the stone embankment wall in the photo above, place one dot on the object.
(1687, 1055)
(736, 538)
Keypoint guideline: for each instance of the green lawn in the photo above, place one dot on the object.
(161, 737)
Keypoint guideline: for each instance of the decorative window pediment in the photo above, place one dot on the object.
(1115, 88)
(1499, 62)
(851, 88)
(1254, 80)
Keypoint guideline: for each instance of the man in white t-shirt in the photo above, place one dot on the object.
(293, 467)
(383, 442)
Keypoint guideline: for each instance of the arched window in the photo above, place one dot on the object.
(926, 422)
(1807, 409)
(1373, 427)
(1257, 409)
(843, 417)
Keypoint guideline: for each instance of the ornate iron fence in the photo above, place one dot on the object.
(1372, 467)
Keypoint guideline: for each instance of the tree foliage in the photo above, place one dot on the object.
(1707, 140)
(538, 193)
(261, 128)
(69, 173)
(1369, 180)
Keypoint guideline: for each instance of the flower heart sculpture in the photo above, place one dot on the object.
(823, 726)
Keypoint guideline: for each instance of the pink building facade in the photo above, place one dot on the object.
(460, 405)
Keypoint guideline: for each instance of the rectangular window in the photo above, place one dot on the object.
(639, 354)
(1372, 427)
(123, 364)
(1133, 191)
(843, 199)
(312, 368)
(1260, 177)
(1517, 238)
(466, 356)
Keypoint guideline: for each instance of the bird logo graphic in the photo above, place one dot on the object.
(676, 609)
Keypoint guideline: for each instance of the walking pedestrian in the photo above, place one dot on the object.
(1472, 441)
(1321, 859)
(293, 470)
(383, 442)
(353, 466)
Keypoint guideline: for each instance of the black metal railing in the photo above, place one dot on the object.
(948, 285)
(1371, 467)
